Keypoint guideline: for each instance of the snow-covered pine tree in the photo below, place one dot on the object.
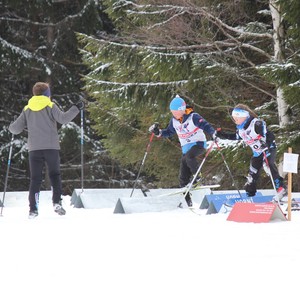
(212, 53)
(38, 43)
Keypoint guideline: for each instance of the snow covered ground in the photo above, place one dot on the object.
(95, 254)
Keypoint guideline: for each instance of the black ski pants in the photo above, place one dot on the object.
(255, 168)
(37, 160)
(189, 164)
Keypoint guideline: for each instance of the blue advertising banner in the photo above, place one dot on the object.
(224, 202)
(223, 198)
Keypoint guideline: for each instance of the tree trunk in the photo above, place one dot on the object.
(278, 37)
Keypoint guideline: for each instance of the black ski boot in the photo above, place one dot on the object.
(59, 209)
(188, 199)
(33, 214)
(198, 180)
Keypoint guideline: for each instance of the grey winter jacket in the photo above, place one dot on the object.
(40, 118)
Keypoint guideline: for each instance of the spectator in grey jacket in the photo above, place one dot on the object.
(40, 118)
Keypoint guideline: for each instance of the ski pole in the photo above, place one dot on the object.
(226, 164)
(7, 172)
(270, 173)
(143, 161)
(81, 147)
(199, 169)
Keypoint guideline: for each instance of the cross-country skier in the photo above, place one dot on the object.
(190, 128)
(40, 118)
(253, 131)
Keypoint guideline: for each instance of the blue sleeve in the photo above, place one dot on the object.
(229, 135)
(169, 131)
(203, 124)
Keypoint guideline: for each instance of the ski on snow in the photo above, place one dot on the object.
(295, 204)
(193, 209)
(184, 189)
